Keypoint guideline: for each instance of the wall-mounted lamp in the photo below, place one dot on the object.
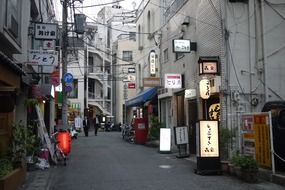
(186, 21)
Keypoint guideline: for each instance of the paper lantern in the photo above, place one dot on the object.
(204, 87)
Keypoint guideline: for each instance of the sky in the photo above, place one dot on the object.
(92, 11)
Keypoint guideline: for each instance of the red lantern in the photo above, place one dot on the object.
(64, 142)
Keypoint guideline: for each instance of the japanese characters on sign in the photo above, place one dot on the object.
(204, 87)
(173, 81)
(209, 139)
(208, 68)
(131, 85)
(152, 62)
(181, 46)
(43, 57)
(45, 31)
(181, 135)
(214, 112)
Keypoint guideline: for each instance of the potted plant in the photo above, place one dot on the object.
(12, 179)
(246, 167)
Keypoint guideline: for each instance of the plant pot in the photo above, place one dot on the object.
(249, 176)
(13, 180)
(238, 171)
(225, 167)
(231, 169)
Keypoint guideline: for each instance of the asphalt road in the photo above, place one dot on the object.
(106, 162)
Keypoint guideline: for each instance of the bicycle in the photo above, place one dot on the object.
(59, 155)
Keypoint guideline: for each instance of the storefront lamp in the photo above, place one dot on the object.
(204, 87)
(209, 65)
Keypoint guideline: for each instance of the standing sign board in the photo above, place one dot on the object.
(208, 159)
(165, 140)
(256, 137)
(181, 140)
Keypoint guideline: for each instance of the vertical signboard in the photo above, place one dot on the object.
(256, 137)
(165, 140)
(152, 63)
(209, 139)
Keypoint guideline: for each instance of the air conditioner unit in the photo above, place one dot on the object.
(215, 84)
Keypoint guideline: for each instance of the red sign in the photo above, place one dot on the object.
(55, 80)
(132, 85)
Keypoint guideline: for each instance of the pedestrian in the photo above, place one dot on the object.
(96, 123)
(78, 123)
(86, 125)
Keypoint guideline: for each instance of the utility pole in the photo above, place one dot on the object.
(64, 44)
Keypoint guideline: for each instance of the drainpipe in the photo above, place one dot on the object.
(264, 50)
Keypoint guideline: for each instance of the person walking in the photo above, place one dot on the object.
(86, 125)
(96, 124)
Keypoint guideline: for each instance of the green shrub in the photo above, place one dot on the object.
(6, 167)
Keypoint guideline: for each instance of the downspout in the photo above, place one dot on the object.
(264, 50)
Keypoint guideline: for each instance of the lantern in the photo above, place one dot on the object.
(204, 87)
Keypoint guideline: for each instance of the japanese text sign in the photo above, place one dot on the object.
(181, 135)
(208, 68)
(45, 31)
(173, 81)
(181, 46)
(39, 57)
(205, 91)
(152, 62)
(209, 139)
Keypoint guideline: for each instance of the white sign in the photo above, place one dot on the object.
(152, 62)
(49, 44)
(204, 87)
(43, 57)
(181, 135)
(209, 139)
(181, 46)
(165, 140)
(190, 93)
(173, 81)
(131, 78)
(45, 31)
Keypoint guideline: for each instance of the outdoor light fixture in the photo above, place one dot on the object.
(209, 65)
(204, 86)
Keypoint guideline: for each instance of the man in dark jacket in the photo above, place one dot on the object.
(86, 126)
(96, 122)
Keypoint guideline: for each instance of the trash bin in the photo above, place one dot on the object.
(64, 141)
(141, 130)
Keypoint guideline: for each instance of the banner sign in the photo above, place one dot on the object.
(43, 57)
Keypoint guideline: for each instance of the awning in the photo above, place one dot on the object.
(142, 97)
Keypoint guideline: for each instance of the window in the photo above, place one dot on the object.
(132, 36)
(74, 92)
(91, 64)
(13, 18)
(165, 55)
(179, 55)
(127, 55)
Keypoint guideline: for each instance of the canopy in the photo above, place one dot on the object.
(142, 97)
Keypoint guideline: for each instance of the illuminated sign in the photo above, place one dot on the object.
(152, 62)
(204, 86)
(209, 139)
(214, 112)
(181, 46)
(190, 93)
(173, 81)
(165, 140)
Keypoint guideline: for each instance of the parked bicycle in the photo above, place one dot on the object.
(128, 133)
(62, 143)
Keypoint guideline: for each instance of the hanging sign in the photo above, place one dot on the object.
(209, 139)
(181, 46)
(204, 86)
(173, 81)
(43, 57)
(214, 112)
(152, 62)
(45, 31)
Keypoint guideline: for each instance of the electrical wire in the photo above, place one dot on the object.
(103, 4)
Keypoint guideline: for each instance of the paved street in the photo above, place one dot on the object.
(106, 162)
